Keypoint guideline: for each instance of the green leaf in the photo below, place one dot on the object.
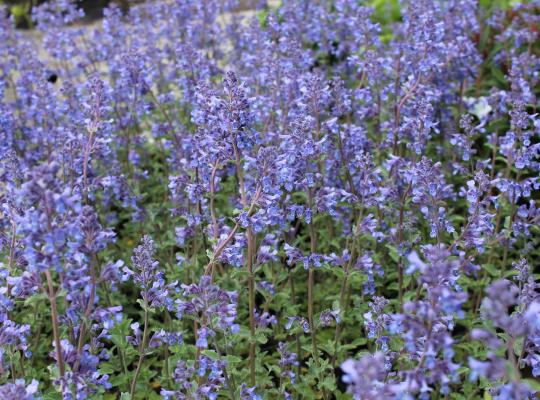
(392, 252)
(261, 338)
(233, 359)
(119, 380)
(36, 299)
(518, 346)
(328, 383)
(211, 354)
(492, 270)
(107, 368)
(533, 383)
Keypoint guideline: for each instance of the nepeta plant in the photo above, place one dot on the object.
(313, 199)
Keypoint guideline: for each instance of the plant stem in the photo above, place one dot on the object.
(250, 258)
(142, 349)
(87, 312)
(399, 241)
(215, 228)
(342, 292)
(54, 320)
(296, 335)
(311, 284)
(251, 294)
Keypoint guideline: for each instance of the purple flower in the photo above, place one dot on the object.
(19, 390)
(365, 377)
(213, 307)
(147, 276)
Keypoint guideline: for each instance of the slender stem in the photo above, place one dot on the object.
(87, 311)
(342, 292)
(37, 334)
(12, 251)
(511, 225)
(515, 366)
(396, 111)
(400, 239)
(21, 363)
(86, 159)
(229, 379)
(230, 236)
(142, 350)
(167, 117)
(212, 201)
(498, 221)
(54, 320)
(311, 284)
(251, 294)
(296, 335)
(11, 257)
(310, 313)
(166, 353)
(250, 258)
(107, 291)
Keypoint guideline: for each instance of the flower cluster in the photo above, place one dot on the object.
(251, 199)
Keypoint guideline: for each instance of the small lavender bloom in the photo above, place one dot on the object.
(287, 361)
(147, 276)
(86, 380)
(184, 378)
(206, 302)
(366, 264)
(300, 321)
(532, 341)
(377, 322)
(215, 371)
(13, 338)
(247, 393)
(24, 285)
(265, 319)
(524, 323)
(267, 287)
(501, 295)
(48, 223)
(429, 190)
(365, 377)
(95, 238)
(163, 337)
(514, 390)
(492, 370)
(327, 317)
(56, 13)
(19, 390)
(523, 269)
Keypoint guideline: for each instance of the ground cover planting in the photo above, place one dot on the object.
(307, 199)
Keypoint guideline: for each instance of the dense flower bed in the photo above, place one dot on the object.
(316, 200)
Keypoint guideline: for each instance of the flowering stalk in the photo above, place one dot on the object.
(223, 244)
(215, 227)
(154, 293)
(87, 312)
(142, 350)
(54, 321)
(250, 257)
(311, 284)
(342, 305)
(251, 295)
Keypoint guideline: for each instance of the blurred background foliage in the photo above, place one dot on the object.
(387, 11)
(21, 10)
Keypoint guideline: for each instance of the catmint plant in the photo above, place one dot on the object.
(259, 199)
